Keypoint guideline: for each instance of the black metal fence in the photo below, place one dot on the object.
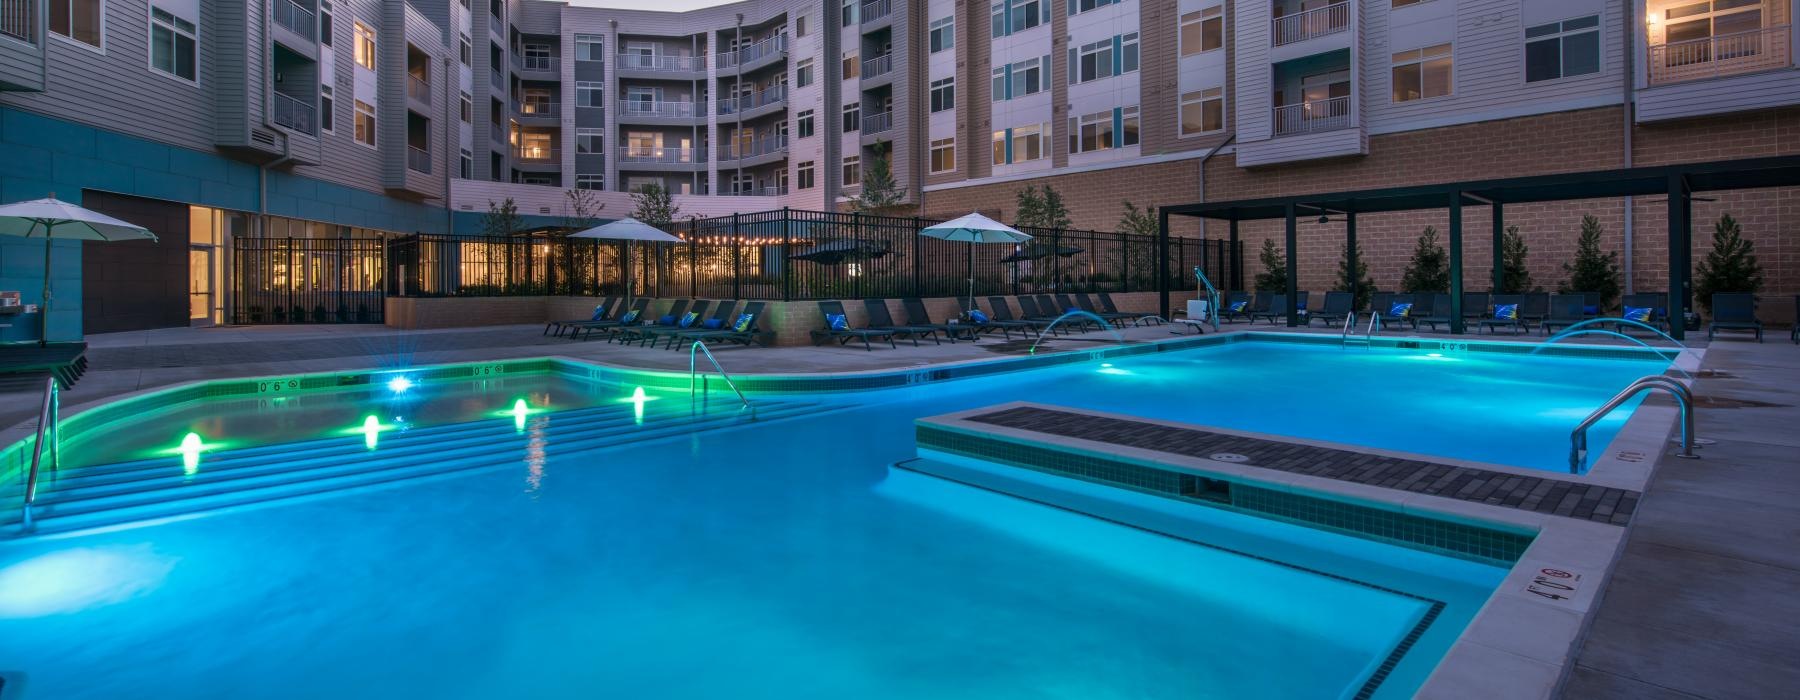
(797, 255)
(308, 280)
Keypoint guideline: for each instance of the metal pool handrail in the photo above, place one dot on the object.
(48, 427)
(1349, 323)
(1212, 298)
(1683, 396)
(693, 372)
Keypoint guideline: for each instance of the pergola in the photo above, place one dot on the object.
(1679, 182)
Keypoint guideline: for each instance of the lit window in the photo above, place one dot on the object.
(852, 66)
(943, 155)
(365, 123)
(1561, 49)
(1100, 131)
(365, 46)
(1422, 73)
(172, 44)
(76, 19)
(1203, 30)
(943, 34)
(943, 94)
(1028, 143)
(1202, 111)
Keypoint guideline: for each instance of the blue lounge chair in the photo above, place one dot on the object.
(741, 328)
(633, 315)
(1644, 307)
(837, 327)
(1397, 311)
(625, 333)
(601, 311)
(691, 322)
(1734, 312)
(1237, 305)
(1505, 314)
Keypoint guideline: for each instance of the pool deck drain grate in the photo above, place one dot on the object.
(1594, 503)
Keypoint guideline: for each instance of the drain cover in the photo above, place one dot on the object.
(1232, 457)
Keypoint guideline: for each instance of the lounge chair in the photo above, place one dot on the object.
(1396, 312)
(1237, 305)
(1590, 303)
(1276, 309)
(837, 327)
(1475, 305)
(1106, 302)
(1029, 308)
(601, 310)
(678, 315)
(985, 322)
(1061, 306)
(1534, 309)
(1002, 314)
(1113, 317)
(1646, 308)
(691, 322)
(1734, 312)
(1431, 310)
(1565, 311)
(918, 317)
(633, 315)
(1336, 308)
(741, 329)
(881, 319)
(1505, 314)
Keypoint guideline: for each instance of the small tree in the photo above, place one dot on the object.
(1030, 207)
(1357, 279)
(1730, 267)
(1055, 214)
(1139, 222)
(655, 206)
(580, 207)
(1515, 278)
(1592, 270)
(1273, 278)
(501, 219)
(880, 194)
(1429, 269)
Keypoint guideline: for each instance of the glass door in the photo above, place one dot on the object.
(201, 286)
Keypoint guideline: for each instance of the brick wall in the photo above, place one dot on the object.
(1094, 198)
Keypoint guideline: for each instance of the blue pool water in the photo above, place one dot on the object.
(766, 559)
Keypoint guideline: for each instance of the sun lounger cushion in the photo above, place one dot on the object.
(666, 320)
(688, 319)
(743, 322)
(599, 312)
(1238, 306)
(713, 324)
(977, 316)
(1590, 309)
(837, 322)
(629, 317)
(1400, 309)
(1641, 314)
(1507, 312)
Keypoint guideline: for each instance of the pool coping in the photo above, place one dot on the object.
(1518, 645)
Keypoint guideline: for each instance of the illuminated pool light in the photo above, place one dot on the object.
(520, 410)
(637, 399)
(191, 447)
(1108, 368)
(72, 580)
(399, 384)
(371, 430)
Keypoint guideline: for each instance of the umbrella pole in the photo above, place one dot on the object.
(971, 276)
(44, 305)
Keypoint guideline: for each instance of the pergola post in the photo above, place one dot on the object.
(1293, 284)
(1350, 256)
(1456, 266)
(1162, 262)
(1235, 257)
(1680, 215)
(1499, 248)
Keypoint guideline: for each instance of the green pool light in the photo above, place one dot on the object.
(371, 430)
(519, 411)
(638, 397)
(191, 447)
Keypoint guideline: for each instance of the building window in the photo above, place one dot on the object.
(466, 51)
(1422, 74)
(1100, 131)
(172, 44)
(365, 123)
(852, 66)
(1028, 77)
(590, 181)
(943, 34)
(365, 46)
(466, 169)
(1028, 143)
(1561, 49)
(1202, 30)
(803, 176)
(803, 73)
(326, 103)
(590, 47)
(800, 26)
(851, 18)
(325, 23)
(589, 141)
(468, 108)
(589, 94)
(78, 19)
(1079, 6)
(1103, 59)
(1028, 14)
(853, 117)
(803, 123)
(943, 94)
(1202, 111)
(852, 170)
(943, 155)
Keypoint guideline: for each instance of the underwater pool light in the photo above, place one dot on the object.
(399, 384)
(637, 405)
(519, 411)
(191, 447)
(72, 580)
(371, 430)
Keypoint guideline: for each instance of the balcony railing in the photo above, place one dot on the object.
(759, 192)
(535, 63)
(678, 64)
(877, 123)
(653, 154)
(418, 159)
(537, 109)
(756, 147)
(1726, 54)
(1313, 117)
(18, 19)
(534, 154)
(498, 78)
(762, 98)
(497, 132)
(297, 18)
(754, 52)
(296, 115)
(878, 9)
(1312, 23)
(877, 66)
(671, 110)
(418, 88)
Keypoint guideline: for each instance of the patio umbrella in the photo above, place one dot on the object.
(54, 218)
(628, 230)
(842, 251)
(973, 229)
(1035, 251)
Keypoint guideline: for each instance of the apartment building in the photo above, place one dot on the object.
(333, 118)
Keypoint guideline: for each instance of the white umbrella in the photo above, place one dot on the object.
(627, 230)
(54, 218)
(974, 228)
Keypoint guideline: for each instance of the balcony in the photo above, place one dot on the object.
(877, 66)
(497, 132)
(877, 123)
(537, 109)
(875, 11)
(734, 150)
(646, 109)
(660, 155)
(418, 160)
(296, 115)
(535, 154)
(418, 88)
(1310, 24)
(662, 64)
(18, 20)
(1718, 56)
(1313, 117)
(538, 64)
(295, 17)
(498, 79)
(754, 53)
(759, 192)
(770, 96)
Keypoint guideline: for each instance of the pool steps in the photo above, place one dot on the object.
(114, 494)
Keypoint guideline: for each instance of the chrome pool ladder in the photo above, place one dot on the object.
(49, 427)
(693, 374)
(1683, 396)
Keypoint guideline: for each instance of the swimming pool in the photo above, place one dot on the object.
(597, 544)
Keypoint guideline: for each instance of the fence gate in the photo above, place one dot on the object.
(308, 280)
